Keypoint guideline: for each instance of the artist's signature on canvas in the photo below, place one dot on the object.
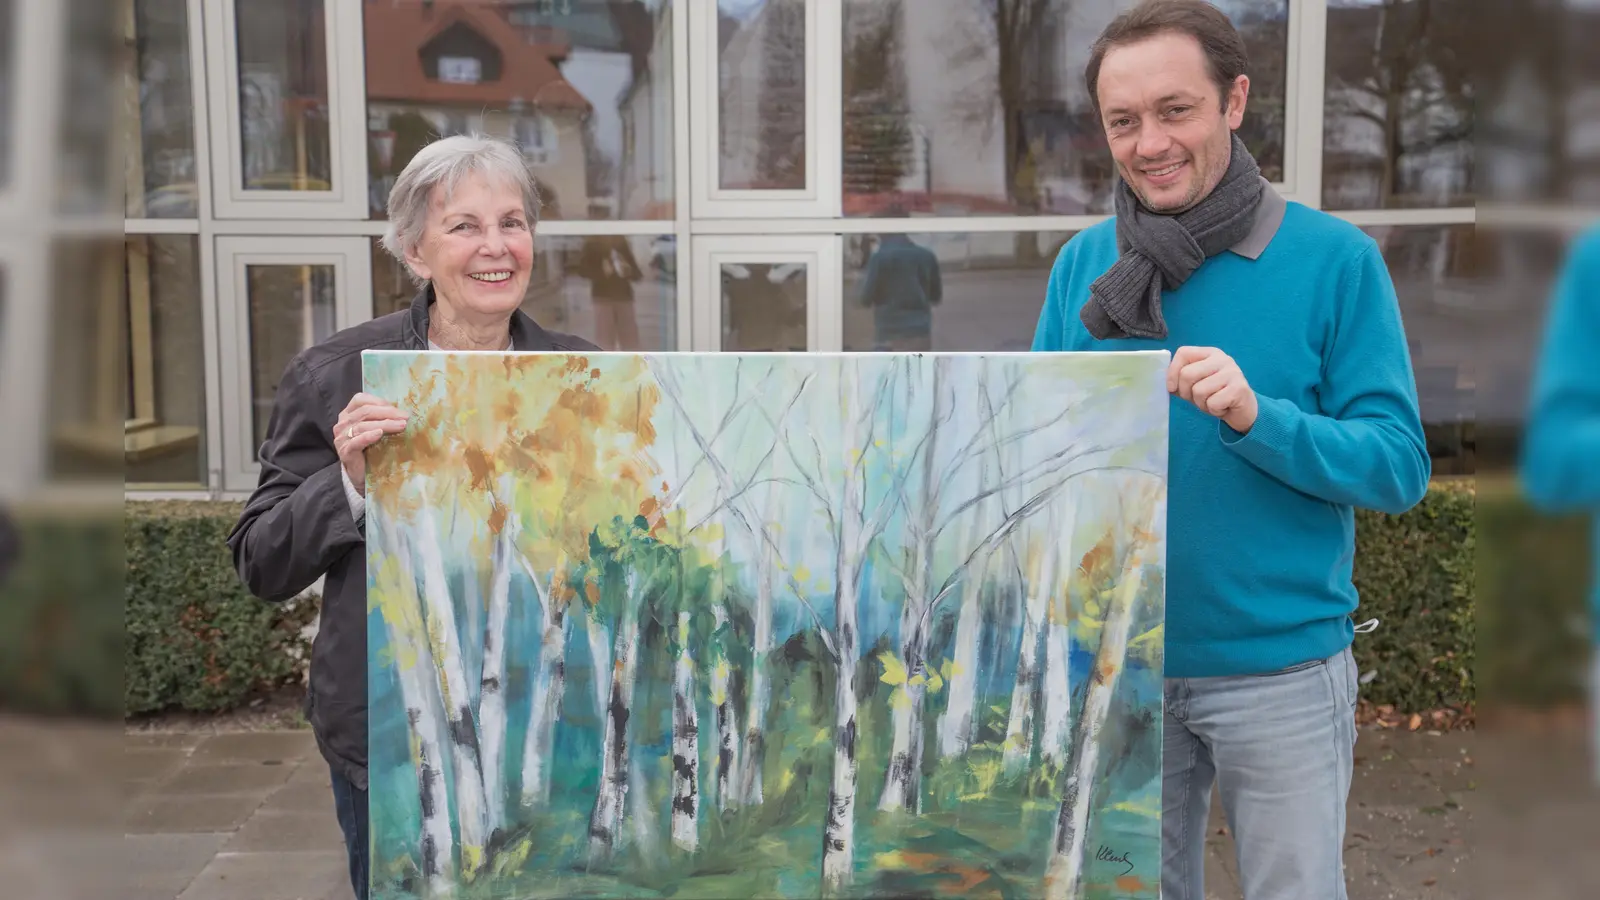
(1107, 854)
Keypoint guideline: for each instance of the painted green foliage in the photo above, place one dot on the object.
(780, 626)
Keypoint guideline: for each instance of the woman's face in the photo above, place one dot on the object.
(477, 248)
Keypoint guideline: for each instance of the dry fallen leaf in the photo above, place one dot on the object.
(1416, 721)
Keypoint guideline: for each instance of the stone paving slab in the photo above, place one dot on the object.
(321, 875)
(160, 866)
(250, 817)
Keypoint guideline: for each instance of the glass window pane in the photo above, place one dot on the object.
(764, 306)
(618, 292)
(283, 95)
(981, 109)
(946, 292)
(86, 398)
(583, 86)
(291, 308)
(1398, 107)
(8, 78)
(160, 163)
(761, 94)
(1437, 272)
(164, 401)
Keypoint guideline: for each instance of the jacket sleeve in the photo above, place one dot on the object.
(298, 521)
(1562, 439)
(1364, 447)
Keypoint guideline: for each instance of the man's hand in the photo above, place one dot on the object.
(1211, 380)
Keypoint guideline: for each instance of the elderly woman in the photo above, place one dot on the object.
(461, 217)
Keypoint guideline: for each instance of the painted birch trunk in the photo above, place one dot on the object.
(1019, 729)
(839, 825)
(760, 692)
(726, 714)
(491, 690)
(1067, 862)
(549, 687)
(612, 793)
(956, 726)
(414, 663)
(685, 747)
(440, 622)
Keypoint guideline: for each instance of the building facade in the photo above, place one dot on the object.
(750, 154)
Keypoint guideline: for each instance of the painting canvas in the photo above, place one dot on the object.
(767, 625)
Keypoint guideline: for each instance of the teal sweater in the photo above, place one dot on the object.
(1261, 526)
(1561, 449)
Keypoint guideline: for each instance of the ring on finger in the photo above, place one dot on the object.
(350, 432)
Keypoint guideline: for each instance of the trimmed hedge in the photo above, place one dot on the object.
(61, 615)
(197, 639)
(1534, 579)
(1414, 573)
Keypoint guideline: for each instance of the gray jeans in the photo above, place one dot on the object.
(1280, 748)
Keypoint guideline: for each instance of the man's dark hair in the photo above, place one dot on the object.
(1219, 40)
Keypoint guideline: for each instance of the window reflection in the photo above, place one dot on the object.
(618, 292)
(761, 94)
(764, 306)
(583, 86)
(283, 95)
(1435, 270)
(978, 291)
(959, 108)
(164, 404)
(1398, 105)
(160, 164)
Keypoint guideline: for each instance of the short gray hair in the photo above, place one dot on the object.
(442, 164)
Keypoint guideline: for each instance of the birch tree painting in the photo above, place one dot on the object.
(767, 625)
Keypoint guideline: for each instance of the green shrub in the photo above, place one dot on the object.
(1534, 578)
(61, 615)
(197, 640)
(1415, 575)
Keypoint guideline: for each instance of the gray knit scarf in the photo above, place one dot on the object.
(1161, 251)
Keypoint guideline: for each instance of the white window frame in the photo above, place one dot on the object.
(824, 283)
(1306, 74)
(347, 104)
(824, 131)
(351, 260)
(24, 368)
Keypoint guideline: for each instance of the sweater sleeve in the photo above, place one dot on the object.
(1562, 439)
(1048, 334)
(1365, 446)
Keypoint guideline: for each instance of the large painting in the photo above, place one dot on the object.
(767, 625)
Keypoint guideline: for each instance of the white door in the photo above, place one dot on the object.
(279, 295)
(777, 293)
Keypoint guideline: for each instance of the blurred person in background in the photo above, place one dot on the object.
(901, 286)
(1560, 463)
(461, 218)
(1294, 404)
(607, 261)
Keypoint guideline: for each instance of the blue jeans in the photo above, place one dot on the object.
(1280, 747)
(350, 804)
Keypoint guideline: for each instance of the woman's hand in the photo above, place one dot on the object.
(363, 423)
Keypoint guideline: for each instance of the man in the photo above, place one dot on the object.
(901, 286)
(1562, 444)
(1294, 403)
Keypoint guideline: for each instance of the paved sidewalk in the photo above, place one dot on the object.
(249, 816)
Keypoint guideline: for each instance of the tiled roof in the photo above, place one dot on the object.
(396, 31)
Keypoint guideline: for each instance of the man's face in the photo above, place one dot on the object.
(1164, 121)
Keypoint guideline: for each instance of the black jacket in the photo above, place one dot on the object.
(297, 525)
